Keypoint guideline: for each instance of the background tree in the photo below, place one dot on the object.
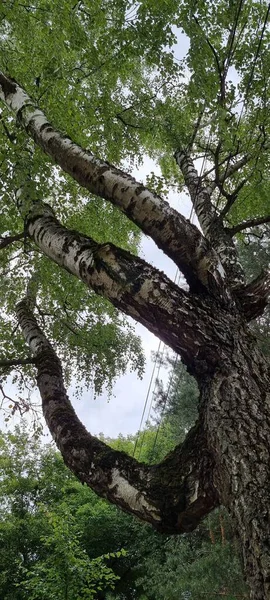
(203, 115)
(59, 540)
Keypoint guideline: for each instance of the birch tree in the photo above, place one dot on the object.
(225, 456)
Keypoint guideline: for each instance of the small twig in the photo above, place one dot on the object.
(120, 118)
(9, 239)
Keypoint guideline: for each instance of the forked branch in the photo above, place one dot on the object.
(130, 284)
(220, 238)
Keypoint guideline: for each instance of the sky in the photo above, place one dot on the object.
(122, 413)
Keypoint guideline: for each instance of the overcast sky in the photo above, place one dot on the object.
(122, 414)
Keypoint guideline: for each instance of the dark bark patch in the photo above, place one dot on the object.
(8, 85)
(139, 190)
(46, 127)
(114, 188)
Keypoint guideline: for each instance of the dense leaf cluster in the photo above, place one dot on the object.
(60, 541)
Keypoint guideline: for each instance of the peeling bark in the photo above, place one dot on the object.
(225, 457)
(181, 319)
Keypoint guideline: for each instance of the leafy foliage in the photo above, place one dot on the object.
(60, 541)
(43, 554)
(111, 77)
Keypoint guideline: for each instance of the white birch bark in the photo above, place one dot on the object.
(174, 234)
(212, 226)
(181, 319)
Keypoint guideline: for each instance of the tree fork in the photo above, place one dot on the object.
(219, 237)
(183, 320)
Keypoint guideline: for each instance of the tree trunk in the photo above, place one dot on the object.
(235, 407)
(225, 457)
(224, 460)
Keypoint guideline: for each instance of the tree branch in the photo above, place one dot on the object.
(131, 284)
(173, 496)
(231, 197)
(250, 223)
(254, 297)
(9, 239)
(126, 123)
(234, 168)
(9, 135)
(210, 222)
(200, 195)
(229, 172)
(221, 73)
(14, 362)
(174, 234)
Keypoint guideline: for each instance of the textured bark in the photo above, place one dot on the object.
(236, 415)
(219, 237)
(174, 234)
(182, 320)
(173, 496)
(254, 297)
(225, 457)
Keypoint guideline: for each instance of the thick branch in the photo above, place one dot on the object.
(254, 297)
(180, 319)
(173, 496)
(250, 223)
(211, 224)
(199, 193)
(174, 234)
